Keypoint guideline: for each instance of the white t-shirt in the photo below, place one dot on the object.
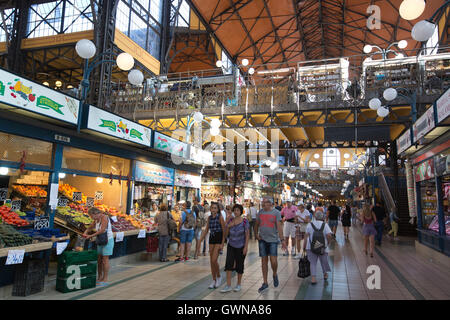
(310, 231)
(253, 212)
(303, 215)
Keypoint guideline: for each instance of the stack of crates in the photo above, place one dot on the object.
(29, 277)
(76, 271)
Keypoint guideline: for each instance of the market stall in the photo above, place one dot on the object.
(187, 185)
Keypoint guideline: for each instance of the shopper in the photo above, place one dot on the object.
(394, 224)
(188, 219)
(101, 224)
(333, 216)
(309, 209)
(368, 219)
(253, 213)
(238, 231)
(317, 232)
(302, 220)
(354, 210)
(215, 226)
(162, 220)
(288, 214)
(346, 219)
(199, 225)
(268, 232)
(380, 213)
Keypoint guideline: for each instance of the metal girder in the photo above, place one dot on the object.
(230, 11)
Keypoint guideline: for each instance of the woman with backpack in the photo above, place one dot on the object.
(317, 236)
(369, 219)
(187, 231)
(215, 226)
(238, 231)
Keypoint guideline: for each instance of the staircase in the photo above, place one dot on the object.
(404, 227)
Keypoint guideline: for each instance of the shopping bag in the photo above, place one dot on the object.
(303, 267)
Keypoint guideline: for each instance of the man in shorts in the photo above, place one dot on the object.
(268, 232)
(333, 216)
(288, 213)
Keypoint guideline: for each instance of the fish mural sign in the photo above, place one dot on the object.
(31, 96)
(170, 145)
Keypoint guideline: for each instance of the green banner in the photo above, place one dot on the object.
(2, 89)
(111, 125)
(136, 134)
(47, 103)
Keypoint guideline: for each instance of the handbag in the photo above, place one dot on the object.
(304, 270)
(102, 238)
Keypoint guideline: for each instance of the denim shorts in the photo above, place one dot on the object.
(332, 223)
(107, 249)
(186, 236)
(268, 248)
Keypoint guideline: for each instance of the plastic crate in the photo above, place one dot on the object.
(29, 278)
(152, 244)
(86, 269)
(85, 282)
(74, 257)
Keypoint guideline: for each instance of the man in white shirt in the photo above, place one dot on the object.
(252, 218)
(302, 220)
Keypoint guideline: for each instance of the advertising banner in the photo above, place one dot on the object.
(187, 179)
(425, 170)
(443, 106)
(116, 126)
(30, 96)
(404, 141)
(152, 173)
(424, 124)
(170, 145)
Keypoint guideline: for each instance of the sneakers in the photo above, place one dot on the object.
(298, 256)
(275, 281)
(212, 285)
(218, 282)
(226, 289)
(237, 288)
(263, 287)
(186, 259)
(179, 260)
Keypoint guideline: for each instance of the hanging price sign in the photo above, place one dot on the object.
(141, 233)
(119, 236)
(98, 195)
(77, 196)
(90, 202)
(16, 205)
(62, 202)
(3, 194)
(15, 257)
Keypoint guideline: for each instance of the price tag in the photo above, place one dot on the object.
(98, 195)
(114, 218)
(90, 202)
(119, 236)
(141, 233)
(60, 247)
(41, 223)
(3, 194)
(16, 205)
(62, 202)
(76, 196)
(15, 257)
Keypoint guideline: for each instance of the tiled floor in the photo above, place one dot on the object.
(404, 275)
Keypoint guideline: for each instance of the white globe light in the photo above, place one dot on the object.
(85, 48)
(346, 156)
(4, 171)
(135, 77)
(316, 156)
(45, 83)
(125, 61)
(367, 48)
(411, 9)
(402, 44)
(99, 179)
(390, 94)
(251, 71)
(214, 131)
(245, 62)
(374, 103)
(198, 117)
(215, 123)
(268, 162)
(274, 165)
(383, 112)
(399, 56)
(423, 30)
(219, 64)
(61, 175)
(58, 83)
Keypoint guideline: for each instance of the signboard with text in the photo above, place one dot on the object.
(170, 145)
(119, 127)
(404, 141)
(152, 173)
(187, 179)
(424, 124)
(24, 94)
(425, 170)
(443, 106)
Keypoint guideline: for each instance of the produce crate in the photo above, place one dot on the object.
(29, 277)
(152, 244)
(85, 282)
(86, 269)
(74, 257)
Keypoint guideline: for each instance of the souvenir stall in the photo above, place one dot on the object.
(187, 186)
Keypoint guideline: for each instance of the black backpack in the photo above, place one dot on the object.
(318, 240)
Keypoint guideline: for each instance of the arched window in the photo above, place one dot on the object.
(331, 158)
(314, 164)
